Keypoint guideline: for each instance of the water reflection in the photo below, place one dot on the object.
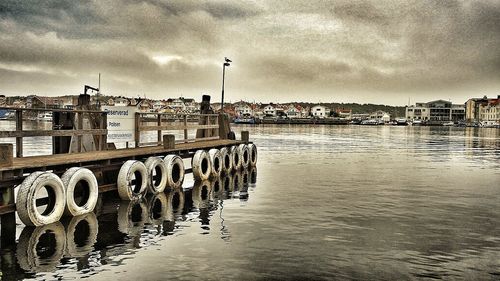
(115, 230)
(41, 248)
(81, 235)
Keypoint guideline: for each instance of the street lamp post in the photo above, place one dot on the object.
(226, 63)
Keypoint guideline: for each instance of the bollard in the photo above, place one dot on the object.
(245, 136)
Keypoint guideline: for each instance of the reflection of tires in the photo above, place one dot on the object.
(216, 185)
(252, 148)
(157, 174)
(81, 191)
(201, 194)
(132, 180)
(157, 208)
(227, 183)
(27, 195)
(245, 155)
(81, 235)
(215, 161)
(132, 215)
(177, 201)
(237, 181)
(253, 175)
(201, 165)
(236, 158)
(41, 248)
(175, 171)
(227, 160)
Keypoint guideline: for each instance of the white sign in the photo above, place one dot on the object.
(121, 123)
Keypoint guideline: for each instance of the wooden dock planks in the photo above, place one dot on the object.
(63, 159)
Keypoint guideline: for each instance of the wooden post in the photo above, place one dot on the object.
(137, 129)
(159, 131)
(224, 126)
(204, 109)
(79, 127)
(6, 154)
(169, 141)
(104, 125)
(8, 229)
(185, 127)
(208, 132)
(245, 136)
(19, 127)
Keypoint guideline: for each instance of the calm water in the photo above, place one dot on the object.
(347, 202)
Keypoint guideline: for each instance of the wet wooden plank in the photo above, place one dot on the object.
(63, 159)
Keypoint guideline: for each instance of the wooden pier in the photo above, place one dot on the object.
(79, 139)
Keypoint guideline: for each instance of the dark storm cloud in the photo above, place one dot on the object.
(387, 50)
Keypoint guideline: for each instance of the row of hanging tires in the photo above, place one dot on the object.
(75, 193)
(40, 249)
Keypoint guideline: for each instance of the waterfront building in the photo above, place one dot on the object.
(120, 101)
(344, 113)
(242, 108)
(176, 104)
(293, 112)
(489, 112)
(438, 110)
(472, 109)
(380, 115)
(158, 105)
(269, 109)
(320, 111)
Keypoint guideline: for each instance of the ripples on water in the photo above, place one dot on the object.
(330, 202)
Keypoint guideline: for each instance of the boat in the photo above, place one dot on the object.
(372, 122)
(401, 122)
(416, 123)
(245, 119)
(448, 123)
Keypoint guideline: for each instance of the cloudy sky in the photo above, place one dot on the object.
(282, 50)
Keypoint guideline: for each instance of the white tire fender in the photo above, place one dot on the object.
(132, 180)
(175, 171)
(83, 177)
(215, 161)
(236, 157)
(245, 155)
(26, 199)
(253, 154)
(157, 174)
(201, 165)
(227, 160)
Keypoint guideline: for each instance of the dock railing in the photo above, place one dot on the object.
(208, 123)
(31, 114)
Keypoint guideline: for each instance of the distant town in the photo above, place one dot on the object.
(481, 111)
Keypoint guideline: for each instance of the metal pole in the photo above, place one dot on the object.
(223, 75)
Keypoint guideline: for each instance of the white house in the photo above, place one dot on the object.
(380, 115)
(293, 112)
(269, 110)
(320, 111)
(243, 109)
